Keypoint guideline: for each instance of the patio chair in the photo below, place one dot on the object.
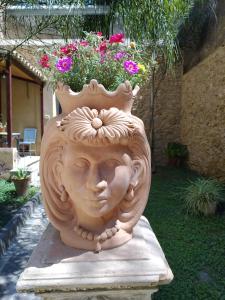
(29, 139)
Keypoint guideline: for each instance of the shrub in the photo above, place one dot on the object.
(175, 150)
(202, 196)
(7, 191)
(20, 174)
(176, 153)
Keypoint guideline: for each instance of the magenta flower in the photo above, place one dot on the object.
(84, 43)
(131, 67)
(64, 64)
(119, 55)
(116, 38)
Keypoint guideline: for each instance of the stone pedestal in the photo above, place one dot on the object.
(132, 271)
(8, 160)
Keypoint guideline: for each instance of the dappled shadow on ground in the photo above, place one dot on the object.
(193, 245)
(13, 262)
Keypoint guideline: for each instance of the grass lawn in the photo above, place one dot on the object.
(9, 202)
(194, 246)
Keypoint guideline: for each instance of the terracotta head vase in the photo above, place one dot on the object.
(95, 167)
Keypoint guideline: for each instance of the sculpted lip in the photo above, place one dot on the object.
(98, 202)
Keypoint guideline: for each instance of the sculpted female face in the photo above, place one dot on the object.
(97, 178)
(95, 170)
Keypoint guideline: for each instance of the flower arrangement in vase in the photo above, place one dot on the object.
(111, 62)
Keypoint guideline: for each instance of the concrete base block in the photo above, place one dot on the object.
(132, 271)
(8, 159)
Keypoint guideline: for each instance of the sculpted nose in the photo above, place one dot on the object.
(94, 181)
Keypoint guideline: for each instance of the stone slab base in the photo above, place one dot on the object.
(137, 294)
(131, 271)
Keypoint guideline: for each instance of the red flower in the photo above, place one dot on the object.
(44, 61)
(68, 49)
(102, 47)
(99, 33)
(116, 38)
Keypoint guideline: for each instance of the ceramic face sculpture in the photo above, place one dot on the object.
(95, 167)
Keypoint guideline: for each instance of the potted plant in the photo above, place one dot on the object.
(111, 62)
(202, 196)
(176, 153)
(21, 179)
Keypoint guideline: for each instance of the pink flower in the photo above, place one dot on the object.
(116, 38)
(84, 43)
(99, 33)
(131, 67)
(68, 49)
(119, 55)
(44, 61)
(64, 64)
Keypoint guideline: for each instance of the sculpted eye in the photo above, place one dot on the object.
(112, 163)
(81, 163)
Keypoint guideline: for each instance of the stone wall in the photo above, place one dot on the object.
(203, 115)
(166, 114)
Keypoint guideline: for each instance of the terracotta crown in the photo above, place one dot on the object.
(94, 95)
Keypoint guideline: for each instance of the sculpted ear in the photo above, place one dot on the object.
(137, 169)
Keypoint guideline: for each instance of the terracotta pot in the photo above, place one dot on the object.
(83, 178)
(209, 209)
(174, 161)
(94, 95)
(21, 186)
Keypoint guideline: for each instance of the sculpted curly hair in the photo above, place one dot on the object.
(94, 128)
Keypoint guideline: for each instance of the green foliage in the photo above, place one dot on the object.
(194, 30)
(89, 62)
(20, 174)
(156, 22)
(192, 244)
(10, 202)
(202, 196)
(7, 191)
(176, 150)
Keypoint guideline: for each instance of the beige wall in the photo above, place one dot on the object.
(49, 103)
(3, 99)
(26, 107)
(203, 115)
(167, 112)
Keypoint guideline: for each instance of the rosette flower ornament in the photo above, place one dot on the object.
(90, 126)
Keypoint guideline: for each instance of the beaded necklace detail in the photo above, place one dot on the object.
(99, 238)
